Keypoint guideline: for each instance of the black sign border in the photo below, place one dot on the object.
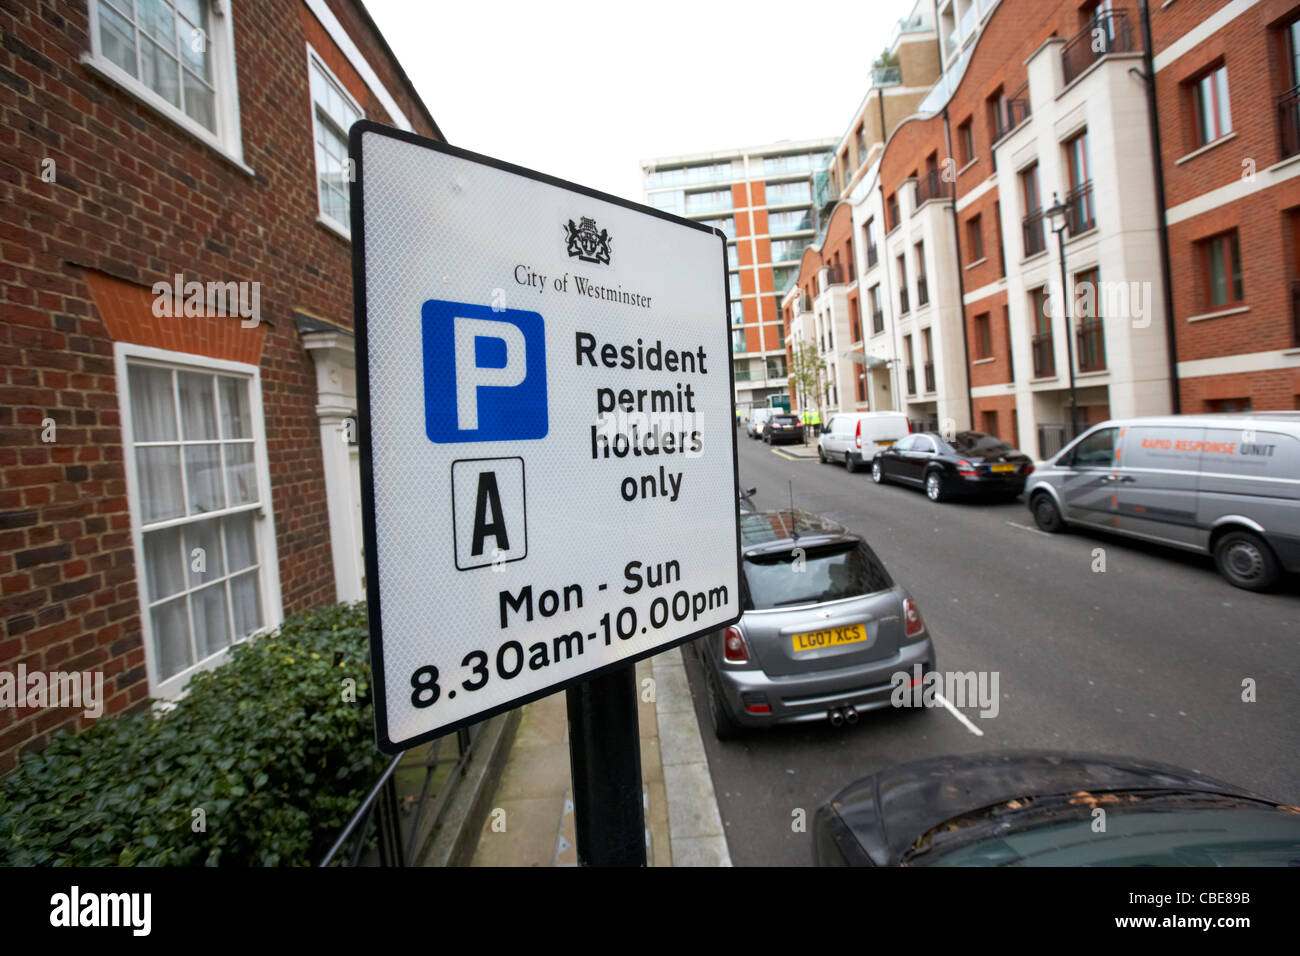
(356, 195)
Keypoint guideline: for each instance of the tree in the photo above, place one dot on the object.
(806, 368)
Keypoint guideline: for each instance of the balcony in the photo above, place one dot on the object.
(1288, 121)
(1012, 111)
(1105, 34)
(1091, 345)
(873, 255)
(1081, 213)
(911, 380)
(904, 306)
(882, 76)
(878, 317)
(742, 372)
(1044, 355)
(1035, 233)
(922, 291)
(929, 376)
(932, 186)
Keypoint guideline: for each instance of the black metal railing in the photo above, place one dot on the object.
(872, 255)
(1295, 312)
(1035, 233)
(932, 186)
(1081, 212)
(834, 275)
(1052, 438)
(390, 829)
(878, 321)
(1091, 345)
(911, 381)
(929, 376)
(1105, 34)
(922, 291)
(1011, 112)
(1044, 355)
(1288, 121)
(904, 306)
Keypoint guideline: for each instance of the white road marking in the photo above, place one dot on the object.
(958, 714)
(1025, 527)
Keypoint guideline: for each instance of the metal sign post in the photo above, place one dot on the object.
(545, 397)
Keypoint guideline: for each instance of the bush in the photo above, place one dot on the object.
(265, 745)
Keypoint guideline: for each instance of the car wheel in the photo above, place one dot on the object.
(724, 725)
(1047, 515)
(877, 473)
(934, 487)
(1246, 561)
(821, 455)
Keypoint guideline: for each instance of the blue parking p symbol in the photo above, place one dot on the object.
(484, 373)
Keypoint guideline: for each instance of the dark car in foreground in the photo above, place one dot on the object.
(782, 429)
(823, 632)
(1040, 808)
(968, 464)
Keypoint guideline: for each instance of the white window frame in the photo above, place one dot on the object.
(314, 60)
(227, 138)
(264, 528)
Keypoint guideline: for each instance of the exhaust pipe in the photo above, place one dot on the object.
(837, 718)
(850, 715)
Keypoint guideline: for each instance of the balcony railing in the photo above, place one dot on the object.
(929, 376)
(1288, 121)
(878, 319)
(911, 381)
(1035, 233)
(922, 291)
(1105, 34)
(873, 255)
(1091, 345)
(1082, 214)
(1012, 112)
(932, 186)
(903, 305)
(1044, 355)
(834, 276)
(1295, 312)
(886, 76)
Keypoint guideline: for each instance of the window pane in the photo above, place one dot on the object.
(236, 420)
(211, 624)
(203, 478)
(1217, 273)
(246, 602)
(203, 550)
(171, 639)
(198, 413)
(159, 71)
(1235, 253)
(1225, 111)
(199, 101)
(192, 10)
(153, 412)
(164, 563)
(241, 545)
(117, 38)
(156, 18)
(160, 483)
(241, 474)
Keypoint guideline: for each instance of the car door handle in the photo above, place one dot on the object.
(1121, 479)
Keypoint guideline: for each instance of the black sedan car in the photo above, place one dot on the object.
(967, 464)
(780, 429)
(1041, 808)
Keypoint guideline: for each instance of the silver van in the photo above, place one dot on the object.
(1226, 485)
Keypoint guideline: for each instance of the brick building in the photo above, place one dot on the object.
(176, 356)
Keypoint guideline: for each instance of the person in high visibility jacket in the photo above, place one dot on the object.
(813, 419)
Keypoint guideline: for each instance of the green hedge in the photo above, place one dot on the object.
(265, 745)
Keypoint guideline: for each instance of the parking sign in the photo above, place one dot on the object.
(547, 444)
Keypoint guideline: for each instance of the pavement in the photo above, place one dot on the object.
(530, 820)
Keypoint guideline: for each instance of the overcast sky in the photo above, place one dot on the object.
(585, 90)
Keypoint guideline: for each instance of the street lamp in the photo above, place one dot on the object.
(1058, 214)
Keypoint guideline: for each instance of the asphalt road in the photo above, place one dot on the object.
(1145, 659)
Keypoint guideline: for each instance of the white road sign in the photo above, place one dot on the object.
(547, 440)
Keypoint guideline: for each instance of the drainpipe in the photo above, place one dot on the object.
(961, 281)
(1162, 226)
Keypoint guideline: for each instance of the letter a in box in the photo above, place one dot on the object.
(504, 492)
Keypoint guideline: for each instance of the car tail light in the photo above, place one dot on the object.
(733, 646)
(965, 468)
(909, 426)
(912, 623)
(857, 438)
(755, 703)
(1029, 469)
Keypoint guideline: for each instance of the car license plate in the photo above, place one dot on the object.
(883, 444)
(830, 637)
(1003, 467)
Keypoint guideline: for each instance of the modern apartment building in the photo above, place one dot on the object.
(178, 462)
(761, 198)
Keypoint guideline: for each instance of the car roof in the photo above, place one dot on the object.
(1212, 419)
(769, 532)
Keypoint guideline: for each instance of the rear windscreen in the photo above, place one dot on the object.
(979, 444)
(790, 578)
(785, 420)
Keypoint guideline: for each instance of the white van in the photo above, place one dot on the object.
(855, 437)
(757, 419)
(1226, 485)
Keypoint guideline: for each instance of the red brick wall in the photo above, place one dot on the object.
(138, 199)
